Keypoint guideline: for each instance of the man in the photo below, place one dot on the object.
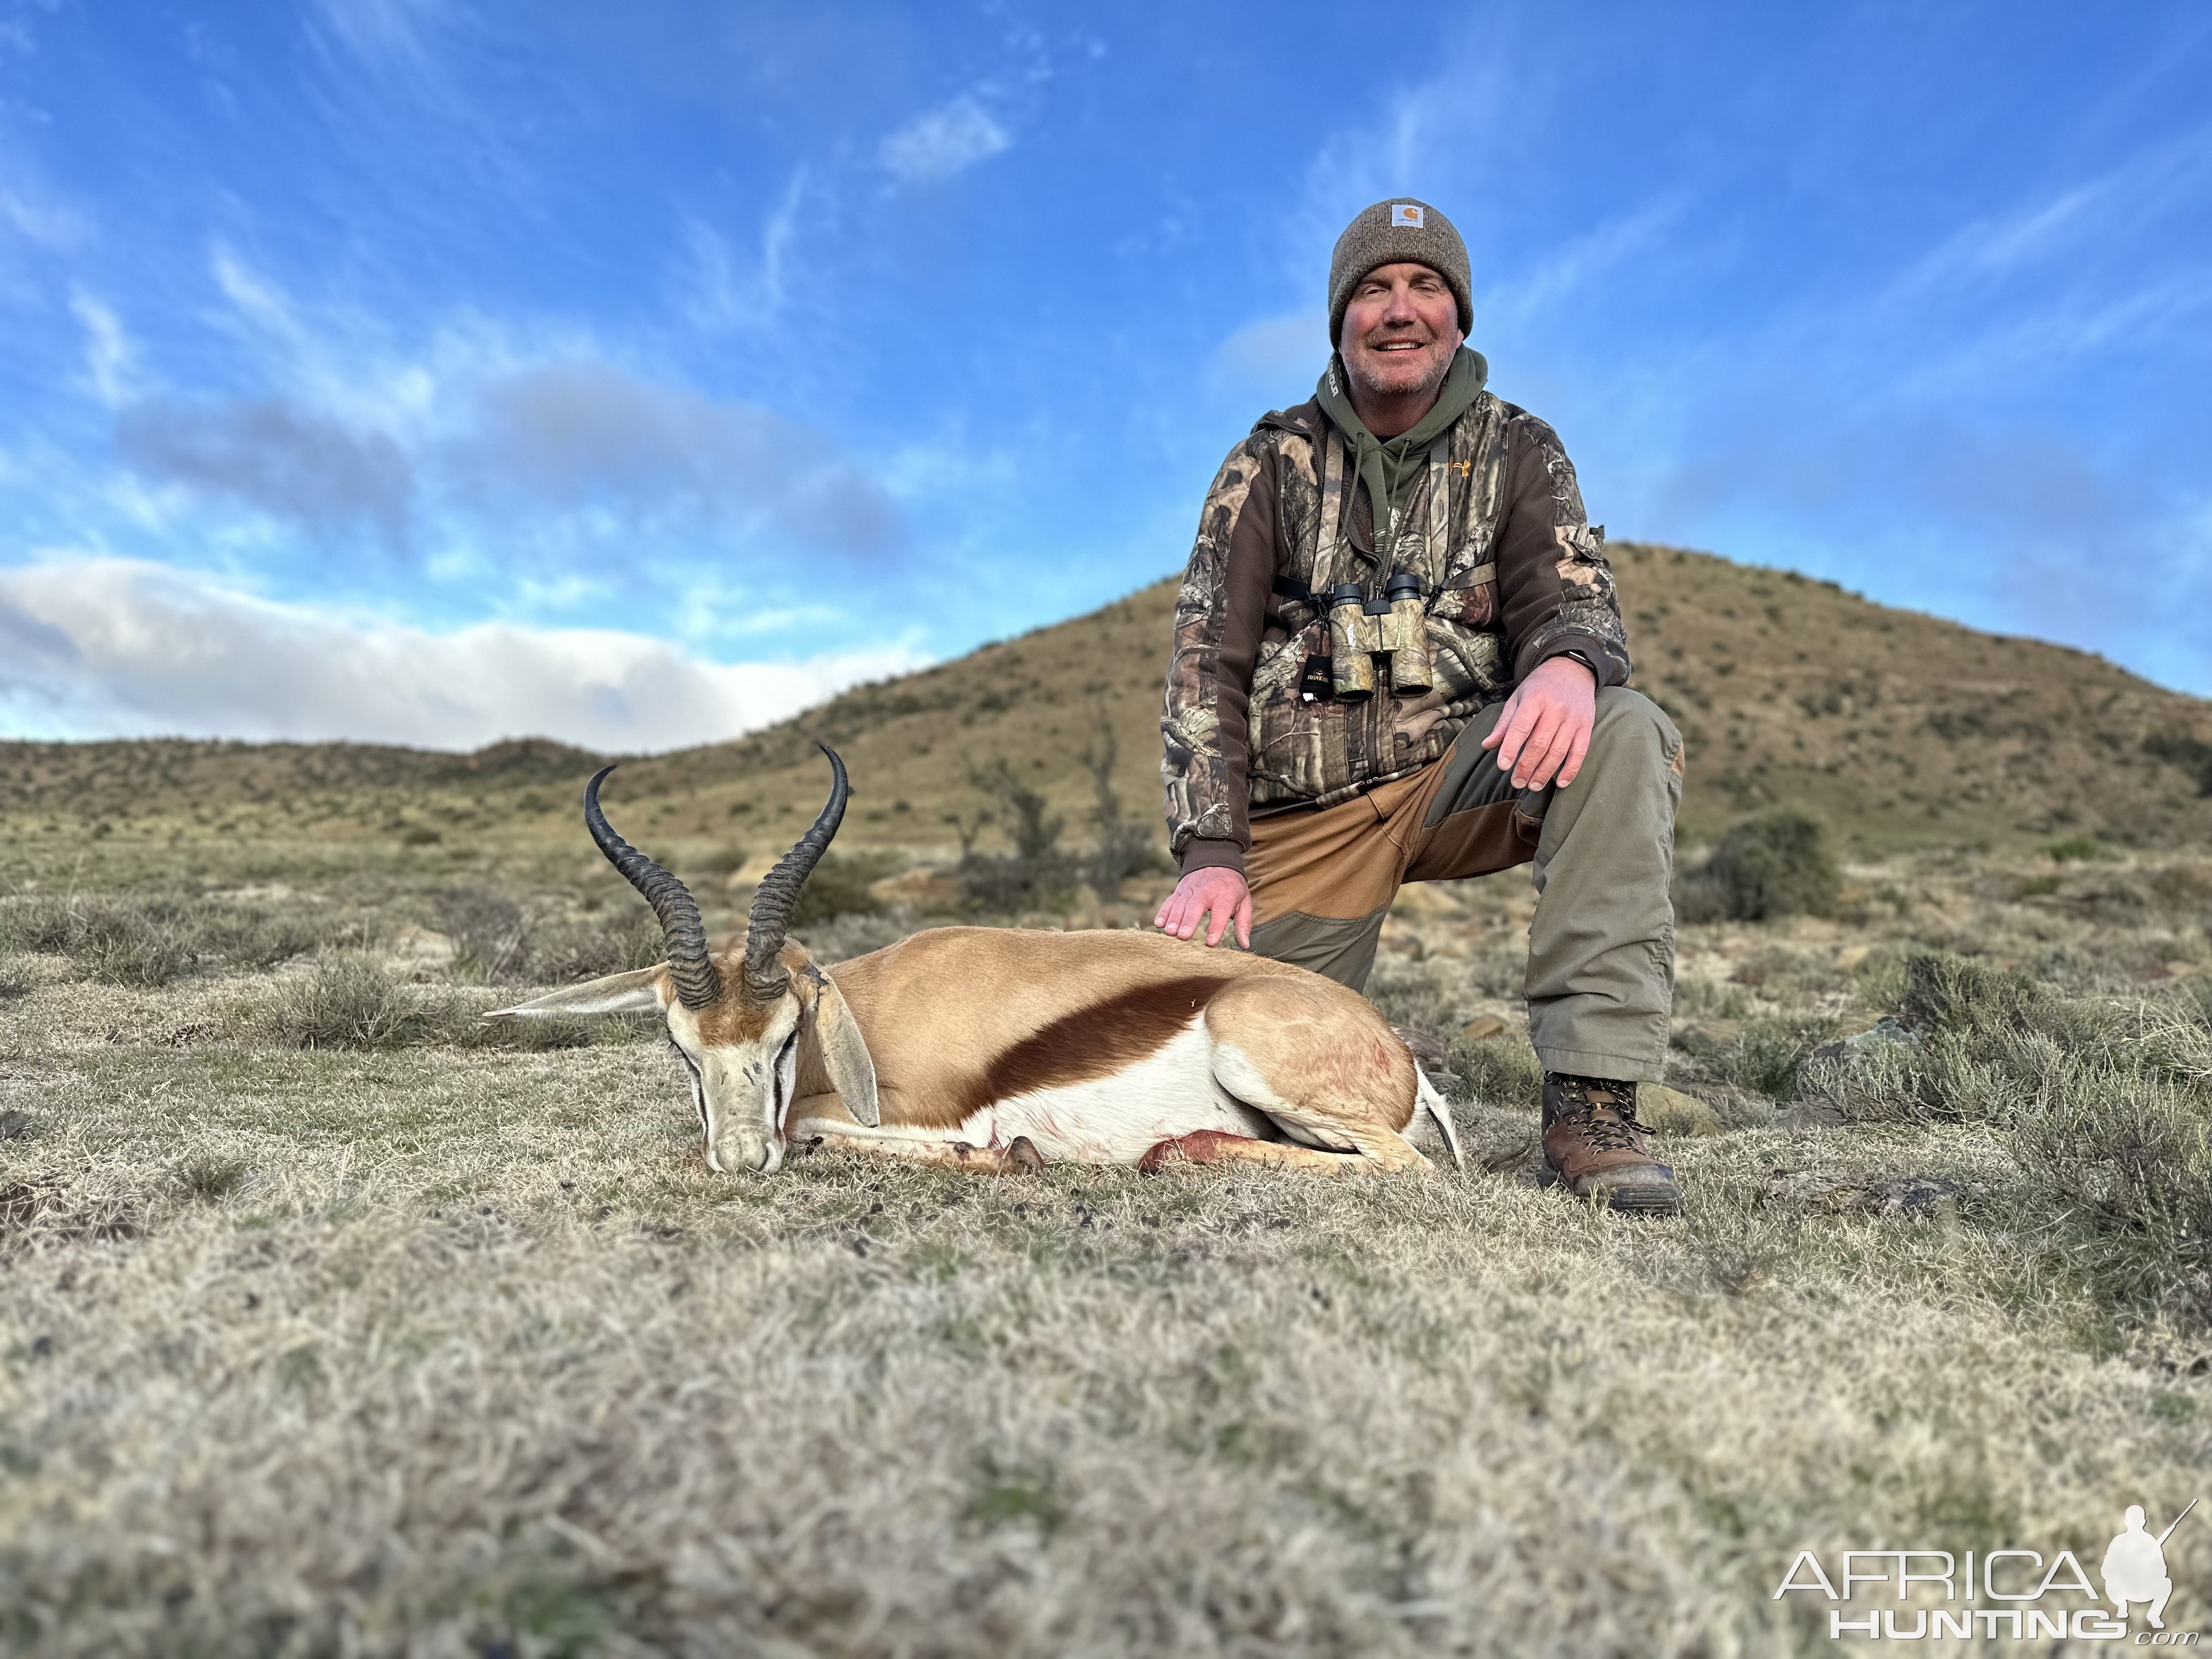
(2134, 1568)
(1498, 728)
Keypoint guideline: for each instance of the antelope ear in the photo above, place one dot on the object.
(844, 1053)
(640, 991)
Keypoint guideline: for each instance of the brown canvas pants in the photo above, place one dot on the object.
(1602, 946)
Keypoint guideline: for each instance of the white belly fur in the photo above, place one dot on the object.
(1118, 1119)
(1110, 1119)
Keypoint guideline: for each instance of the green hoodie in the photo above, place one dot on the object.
(1389, 467)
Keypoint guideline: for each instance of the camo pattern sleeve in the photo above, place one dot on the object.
(1552, 578)
(1219, 613)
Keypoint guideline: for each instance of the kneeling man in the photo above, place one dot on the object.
(1398, 658)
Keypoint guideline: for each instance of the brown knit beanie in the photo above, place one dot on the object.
(1386, 234)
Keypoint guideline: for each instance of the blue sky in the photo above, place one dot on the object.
(420, 370)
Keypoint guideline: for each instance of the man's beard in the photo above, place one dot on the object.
(1366, 381)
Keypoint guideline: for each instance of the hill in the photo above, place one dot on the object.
(1898, 728)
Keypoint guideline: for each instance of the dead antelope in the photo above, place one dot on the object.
(993, 1046)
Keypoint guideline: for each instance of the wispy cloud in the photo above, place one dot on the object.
(95, 647)
(386, 34)
(946, 141)
(719, 292)
(109, 356)
(521, 437)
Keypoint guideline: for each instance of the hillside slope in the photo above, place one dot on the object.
(1898, 728)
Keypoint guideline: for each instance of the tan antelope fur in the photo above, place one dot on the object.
(996, 1048)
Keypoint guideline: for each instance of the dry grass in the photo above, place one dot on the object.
(419, 1347)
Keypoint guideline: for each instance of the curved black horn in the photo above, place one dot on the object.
(765, 978)
(697, 984)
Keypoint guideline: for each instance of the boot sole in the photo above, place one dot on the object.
(1655, 1199)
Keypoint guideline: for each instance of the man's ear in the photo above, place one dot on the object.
(640, 991)
(844, 1053)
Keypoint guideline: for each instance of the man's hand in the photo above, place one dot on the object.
(1218, 892)
(1545, 725)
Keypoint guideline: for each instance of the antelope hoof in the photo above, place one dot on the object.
(1024, 1156)
(1199, 1146)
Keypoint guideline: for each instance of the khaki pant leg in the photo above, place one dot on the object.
(1600, 981)
(1322, 882)
(1602, 946)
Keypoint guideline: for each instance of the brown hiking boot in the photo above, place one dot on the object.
(1594, 1142)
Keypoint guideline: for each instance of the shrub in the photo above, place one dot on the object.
(348, 1001)
(1765, 867)
(491, 942)
(562, 952)
(496, 942)
(151, 941)
(121, 944)
(2078, 849)
(208, 1179)
(1767, 1054)
(1038, 874)
(842, 884)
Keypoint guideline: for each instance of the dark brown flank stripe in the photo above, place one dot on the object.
(1094, 1042)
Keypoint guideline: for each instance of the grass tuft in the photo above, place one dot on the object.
(210, 1179)
(348, 999)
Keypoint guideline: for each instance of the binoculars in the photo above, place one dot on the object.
(1361, 629)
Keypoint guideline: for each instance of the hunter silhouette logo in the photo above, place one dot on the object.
(1408, 213)
(2135, 1567)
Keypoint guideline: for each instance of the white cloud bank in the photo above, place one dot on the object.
(112, 648)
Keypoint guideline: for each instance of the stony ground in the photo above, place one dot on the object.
(329, 1326)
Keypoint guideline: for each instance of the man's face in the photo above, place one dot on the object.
(1399, 331)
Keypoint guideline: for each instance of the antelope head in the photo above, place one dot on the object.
(738, 1033)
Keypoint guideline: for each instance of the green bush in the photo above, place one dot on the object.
(147, 942)
(120, 944)
(2079, 850)
(349, 1001)
(842, 884)
(1765, 867)
(498, 942)
(1767, 1054)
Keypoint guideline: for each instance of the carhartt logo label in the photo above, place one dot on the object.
(2012, 1595)
(1408, 213)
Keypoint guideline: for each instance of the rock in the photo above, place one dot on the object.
(1810, 1115)
(1482, 1028)
(1705, 1038)
(1671, 1112)
(1839, 1195)
(1885, 1030)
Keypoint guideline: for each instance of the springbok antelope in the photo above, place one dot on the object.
(1000, 1048)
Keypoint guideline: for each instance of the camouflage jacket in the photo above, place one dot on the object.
(1511, 574)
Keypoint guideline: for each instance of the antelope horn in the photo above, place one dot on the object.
(765, 977)
(697, 984)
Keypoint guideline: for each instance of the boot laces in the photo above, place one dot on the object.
(1606, 1124)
